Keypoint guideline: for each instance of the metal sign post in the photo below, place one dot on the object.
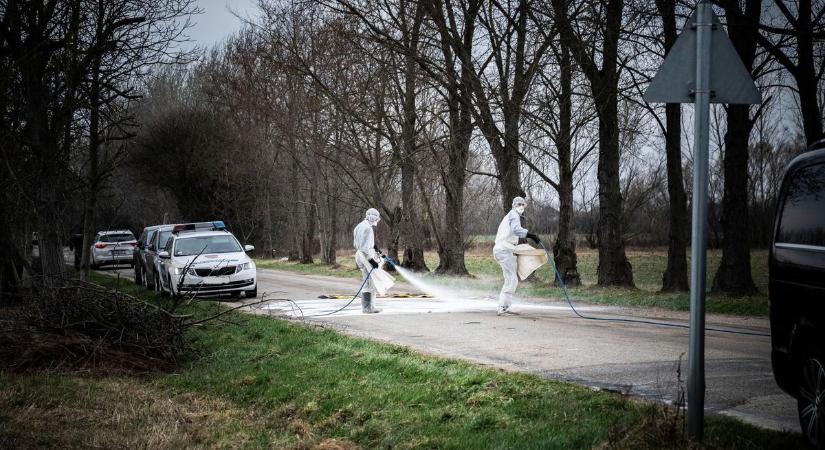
(698, 251)
(701, 68)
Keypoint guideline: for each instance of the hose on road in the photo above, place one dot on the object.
(364, 283)
(639, 321)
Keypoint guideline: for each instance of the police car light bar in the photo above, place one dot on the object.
(217, 225)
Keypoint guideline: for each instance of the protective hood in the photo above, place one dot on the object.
(372, 216)
(519, 201)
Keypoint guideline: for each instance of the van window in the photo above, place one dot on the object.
(803, 213)
(163, 238)
(149, 236)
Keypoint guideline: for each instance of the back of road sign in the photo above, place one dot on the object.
(730, 82)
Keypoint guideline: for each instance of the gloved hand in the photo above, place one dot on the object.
(378, 250)
(534, 237)
(373, 264)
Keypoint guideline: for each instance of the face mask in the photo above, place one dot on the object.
(374, 222)
(520, 209)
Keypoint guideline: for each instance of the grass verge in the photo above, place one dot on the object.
(256, 382)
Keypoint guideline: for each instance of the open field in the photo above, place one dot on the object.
(648, 266)
(255, 382)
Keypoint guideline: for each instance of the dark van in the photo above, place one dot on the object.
(797, 290)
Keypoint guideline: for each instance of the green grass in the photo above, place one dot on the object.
(256, 382)
(648, 266)
(345, 267)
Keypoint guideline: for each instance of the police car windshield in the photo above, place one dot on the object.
(206, 244)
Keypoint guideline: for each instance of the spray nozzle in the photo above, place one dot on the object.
(388, 260)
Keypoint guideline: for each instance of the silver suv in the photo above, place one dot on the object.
(112, 248)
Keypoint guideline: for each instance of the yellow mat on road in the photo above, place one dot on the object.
(394, 295)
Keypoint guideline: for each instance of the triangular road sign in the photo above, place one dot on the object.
(730, 82)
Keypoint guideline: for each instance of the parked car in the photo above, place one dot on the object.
(206, 263)
(145, 254)
(797, 290)
(142, 255)
(112, 247)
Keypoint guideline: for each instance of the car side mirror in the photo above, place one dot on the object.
(248, 248)
(163, 254)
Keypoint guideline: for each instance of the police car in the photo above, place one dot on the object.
(205, 263)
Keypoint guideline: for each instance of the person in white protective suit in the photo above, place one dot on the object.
(509, 232)
(367, 255)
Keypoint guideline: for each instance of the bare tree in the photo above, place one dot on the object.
(734, 273)
(614, 268)
(794, 38)
(675, 276)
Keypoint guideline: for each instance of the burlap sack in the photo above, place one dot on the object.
(529, 259)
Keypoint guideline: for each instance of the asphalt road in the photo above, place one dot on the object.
(545, 338)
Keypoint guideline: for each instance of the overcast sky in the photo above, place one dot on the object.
(217, 22)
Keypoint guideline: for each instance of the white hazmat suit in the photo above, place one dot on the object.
(364, 243)
(509, 232)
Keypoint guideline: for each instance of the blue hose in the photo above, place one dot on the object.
(364, 283)
(646, 322)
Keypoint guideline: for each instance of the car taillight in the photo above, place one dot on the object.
(100, 245)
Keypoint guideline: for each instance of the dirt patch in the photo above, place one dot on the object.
(336, 444)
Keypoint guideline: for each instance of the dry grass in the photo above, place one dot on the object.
(50, 410)
(122, 413)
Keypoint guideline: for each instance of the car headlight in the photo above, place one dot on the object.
(246, 266)
(180, 270)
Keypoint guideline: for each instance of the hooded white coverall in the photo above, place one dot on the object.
(509, 232)
(364, 242)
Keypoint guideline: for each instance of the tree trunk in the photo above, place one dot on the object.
(507, 167)
(49, 228)
(93, 182)
(734, 274)
(451, 250)
(806, 79)
(614, 268)
(88, 233)
(394, 235)
(564, 250)
(675, 277)
(451, 247)
(411, 224)
(268, 247)
(308, 236)
(46, 151)
(328, 253)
